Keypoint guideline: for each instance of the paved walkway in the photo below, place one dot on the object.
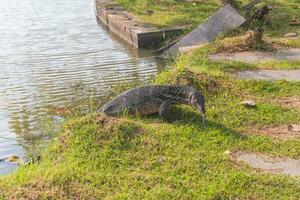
(270, 164)
(257, 57)
(270, 75)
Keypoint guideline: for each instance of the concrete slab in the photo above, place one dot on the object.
(226, 18)
(258, 57)
(126, 26)
(190, 48)
(270, 164)
(270, 75)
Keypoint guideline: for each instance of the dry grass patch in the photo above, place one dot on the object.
(252, 40)
(293, 42)
(289, 102)
(284, 132)
(43, 190)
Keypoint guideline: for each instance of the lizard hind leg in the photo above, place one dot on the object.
(165, 110)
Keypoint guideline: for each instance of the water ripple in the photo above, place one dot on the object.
(46, 48)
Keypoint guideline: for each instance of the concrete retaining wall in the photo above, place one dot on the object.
(127, 27)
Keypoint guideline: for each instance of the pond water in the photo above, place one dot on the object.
(47, 49)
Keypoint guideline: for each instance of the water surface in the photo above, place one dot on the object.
(47, 49)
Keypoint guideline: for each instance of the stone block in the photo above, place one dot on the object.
(225, 19)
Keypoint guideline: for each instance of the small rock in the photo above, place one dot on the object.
(294, 127)
(294, 21)
(128, 17)
(289, 35)
(149, 12)
(249, 103)
(227, 152)
(161, 160)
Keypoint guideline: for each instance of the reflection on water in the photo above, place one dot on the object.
(47, 48)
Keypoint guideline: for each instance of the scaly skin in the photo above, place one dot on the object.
(149, 100)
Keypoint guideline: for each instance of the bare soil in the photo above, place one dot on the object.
(289, 102)
(284, 132)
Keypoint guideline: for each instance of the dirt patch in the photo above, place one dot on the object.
(48, 190)
(248, 42)
(198, 80)
(268, 163)
(279, 132)
(289, 102)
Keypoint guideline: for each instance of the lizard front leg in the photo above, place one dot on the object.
(165, 110)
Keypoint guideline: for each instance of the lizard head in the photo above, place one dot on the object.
(198, 101)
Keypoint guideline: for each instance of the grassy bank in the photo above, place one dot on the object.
(99, 157)
(190, 14)
(96, 157)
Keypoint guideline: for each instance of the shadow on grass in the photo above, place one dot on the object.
(182, 117)
(210, 126)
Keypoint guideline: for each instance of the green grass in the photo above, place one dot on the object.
(181, 13)
(170, 12)
(283, 11)
(147, 159)
(96, 157)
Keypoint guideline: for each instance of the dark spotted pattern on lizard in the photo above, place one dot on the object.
(149, 100)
